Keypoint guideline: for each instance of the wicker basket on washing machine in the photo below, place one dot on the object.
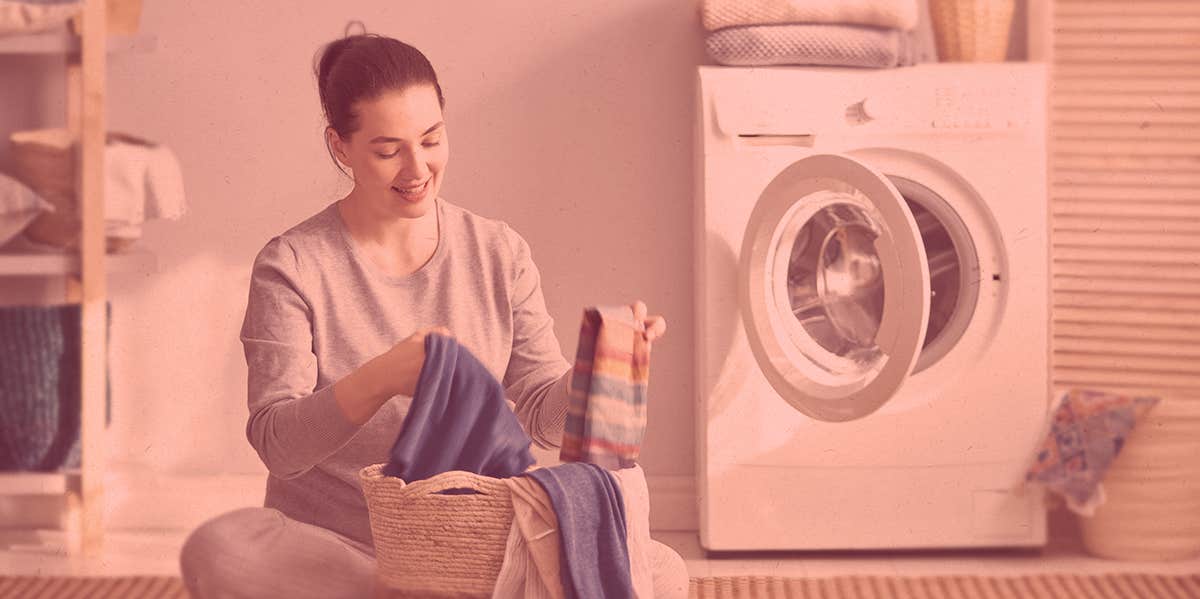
(972, 30)
(430, 544)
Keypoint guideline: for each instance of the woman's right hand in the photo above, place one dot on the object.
(402, 363)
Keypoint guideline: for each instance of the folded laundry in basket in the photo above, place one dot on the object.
(591, 519)
(606, 405)
(892, 14)
(809, 44)
(532, 565)
(458, 420)
(1087, 431)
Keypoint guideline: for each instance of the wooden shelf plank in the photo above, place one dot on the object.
(62, 41)
(53, 264)
(36, 483)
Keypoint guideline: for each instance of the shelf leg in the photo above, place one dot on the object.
(92, 288)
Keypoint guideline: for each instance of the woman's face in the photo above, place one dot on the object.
(399, 153)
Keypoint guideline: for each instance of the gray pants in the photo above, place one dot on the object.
(258, 552)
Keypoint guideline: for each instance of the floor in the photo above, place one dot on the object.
(155, 553)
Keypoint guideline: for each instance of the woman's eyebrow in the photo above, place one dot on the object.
(382, 139)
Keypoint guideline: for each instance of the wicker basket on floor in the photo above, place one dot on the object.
(429, 544)
(1153, 488)
(971, 30)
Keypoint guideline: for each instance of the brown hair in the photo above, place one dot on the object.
(362, 67)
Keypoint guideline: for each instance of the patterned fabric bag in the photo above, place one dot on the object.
(1086, 433)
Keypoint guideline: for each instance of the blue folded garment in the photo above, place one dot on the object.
(458, 420)
(591, 523)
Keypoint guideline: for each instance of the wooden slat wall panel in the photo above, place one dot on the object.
(1125, 195)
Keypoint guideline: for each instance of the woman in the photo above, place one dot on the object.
(328, 382)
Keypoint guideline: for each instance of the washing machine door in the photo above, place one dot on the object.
(834, 287)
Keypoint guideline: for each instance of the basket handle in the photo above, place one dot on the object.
(452, 479)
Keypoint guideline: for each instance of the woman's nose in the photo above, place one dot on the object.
(413, 169)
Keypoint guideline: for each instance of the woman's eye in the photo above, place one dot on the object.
(428, 144)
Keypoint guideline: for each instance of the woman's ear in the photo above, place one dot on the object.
(336, 146)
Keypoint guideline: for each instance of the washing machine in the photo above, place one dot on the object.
(871, 306)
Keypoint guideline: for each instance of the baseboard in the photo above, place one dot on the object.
(178, 502)
(140, 499)
(673, 502)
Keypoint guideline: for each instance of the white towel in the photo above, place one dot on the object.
(164, 185)
(637, 528)
(142, 182)
(890, 14)
(124, 185)
(518, 576)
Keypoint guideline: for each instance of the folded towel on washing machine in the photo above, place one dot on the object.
(808, 44)
(891, 14)
(1087, 431)
(606, 404)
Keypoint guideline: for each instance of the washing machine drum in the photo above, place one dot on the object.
(835, 287)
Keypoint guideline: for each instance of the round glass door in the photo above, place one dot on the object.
(835, 287)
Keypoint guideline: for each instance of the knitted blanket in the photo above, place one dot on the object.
(39, 387)
(892, 14)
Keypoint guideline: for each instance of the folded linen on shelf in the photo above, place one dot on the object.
(807, 44)
(32, 16)
(891, 14)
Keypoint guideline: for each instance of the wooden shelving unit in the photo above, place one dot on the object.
(39, 483)
(67, 265)
(84, 271)
(64, 42)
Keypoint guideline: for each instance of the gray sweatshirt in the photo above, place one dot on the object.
(319, 308)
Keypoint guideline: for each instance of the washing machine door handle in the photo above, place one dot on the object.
(834, 287)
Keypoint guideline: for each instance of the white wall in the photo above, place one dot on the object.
(570, 120)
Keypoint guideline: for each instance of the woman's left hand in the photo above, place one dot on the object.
(656, 326)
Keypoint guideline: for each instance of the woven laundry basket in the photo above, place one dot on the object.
(434, 545)
(971, 30)
(46, 162)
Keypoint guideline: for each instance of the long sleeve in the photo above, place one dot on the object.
(538, 376)
(292, 425)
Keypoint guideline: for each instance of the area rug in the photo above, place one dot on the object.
(92, 587)
(1040, 586)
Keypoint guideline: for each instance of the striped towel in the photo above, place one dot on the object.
(606, 410)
